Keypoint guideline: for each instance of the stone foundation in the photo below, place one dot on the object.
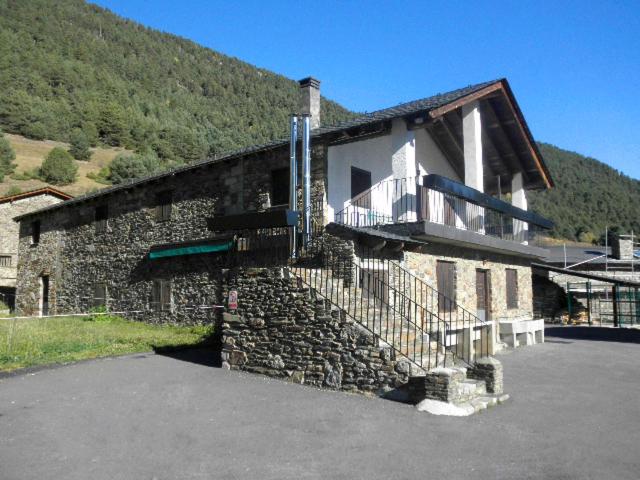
(280, 331)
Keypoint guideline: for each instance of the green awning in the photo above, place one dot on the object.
(190, 250)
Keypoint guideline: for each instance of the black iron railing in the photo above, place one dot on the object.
(435, 199)
(402, 310)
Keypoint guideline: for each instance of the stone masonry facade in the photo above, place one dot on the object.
(281, 331)
(466, 261)
(76, 256)
(9, 231)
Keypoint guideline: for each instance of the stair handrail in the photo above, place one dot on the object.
(377, 300)
(472, 320)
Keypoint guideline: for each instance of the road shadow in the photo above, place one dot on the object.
(603, 334)
(207, 352)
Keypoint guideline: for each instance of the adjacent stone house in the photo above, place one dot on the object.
(12, 206)
(408, 255)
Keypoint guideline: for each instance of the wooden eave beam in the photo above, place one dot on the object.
(500, 87)
(494, 125)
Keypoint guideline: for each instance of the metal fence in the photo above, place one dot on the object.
(602, 304)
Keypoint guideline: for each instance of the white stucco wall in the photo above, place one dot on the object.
(398, 155)
(373, 155)
(430, 158)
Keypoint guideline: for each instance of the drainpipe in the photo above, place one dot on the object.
(293, 182)
(306, 180)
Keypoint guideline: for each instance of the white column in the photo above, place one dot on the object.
(472, 138)
(518, 196)
(403, 166)
(519, 199)
(470, 216)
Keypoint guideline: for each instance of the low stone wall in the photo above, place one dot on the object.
(280, 331)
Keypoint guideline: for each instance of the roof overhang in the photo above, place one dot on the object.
(508, 144)
(34, 193)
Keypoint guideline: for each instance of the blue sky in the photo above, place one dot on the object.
(574, 66)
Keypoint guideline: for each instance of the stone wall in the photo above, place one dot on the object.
(279, 330)
(9, 231)
(76, 256)
(467, 261)
(549, 298)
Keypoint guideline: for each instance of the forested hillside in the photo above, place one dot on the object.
(74, 72)
(589, 196)
(69, 65)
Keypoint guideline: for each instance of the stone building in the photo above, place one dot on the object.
(12, 206)
(407, 228)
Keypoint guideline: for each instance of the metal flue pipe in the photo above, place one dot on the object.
(306, 179)
(293, 180)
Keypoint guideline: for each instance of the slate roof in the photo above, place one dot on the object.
(423, 105)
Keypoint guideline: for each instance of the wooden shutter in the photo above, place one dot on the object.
(445, 272)
(512, 288)
(155, 295)
(165, 295)
(99, 294)
(164, 202)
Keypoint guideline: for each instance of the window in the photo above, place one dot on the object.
(99, 295)
(512, 288)
(360, 181)
(161, 295)
(280, 186)
(35, 232)
(446, 278)
(101, 217)
(5, 261)
(163, 206)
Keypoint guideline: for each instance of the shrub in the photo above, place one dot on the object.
(27, 175)
(79, 148)
(7, 155)
(128, 167)
(14, 190)
(59, 168)
(101, 177)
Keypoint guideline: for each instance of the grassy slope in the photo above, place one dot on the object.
(29, 156)
(44, 341)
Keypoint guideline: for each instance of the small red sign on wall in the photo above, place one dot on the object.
(233, 300)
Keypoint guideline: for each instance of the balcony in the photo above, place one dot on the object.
(441, 210)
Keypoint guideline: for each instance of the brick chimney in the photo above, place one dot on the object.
(310, 100)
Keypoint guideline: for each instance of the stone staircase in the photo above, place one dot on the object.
(378, 316)
(436, 384)
(451, 391)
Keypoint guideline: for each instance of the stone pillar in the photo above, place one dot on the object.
(519, 199)
(472, 139)
(490, 370)
(622, 248)
(403, 166)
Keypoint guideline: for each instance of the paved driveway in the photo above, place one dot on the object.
(574, 413)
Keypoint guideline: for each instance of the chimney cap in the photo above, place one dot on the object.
(309, 82)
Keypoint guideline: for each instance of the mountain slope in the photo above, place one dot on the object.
(68, 64)
(588, 197)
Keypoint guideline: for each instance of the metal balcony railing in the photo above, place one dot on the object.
(439, 200)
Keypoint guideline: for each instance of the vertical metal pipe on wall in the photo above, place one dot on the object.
(306, 179)
(293, 181)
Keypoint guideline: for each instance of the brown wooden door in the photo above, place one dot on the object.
(445, 272)
(483, 294)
